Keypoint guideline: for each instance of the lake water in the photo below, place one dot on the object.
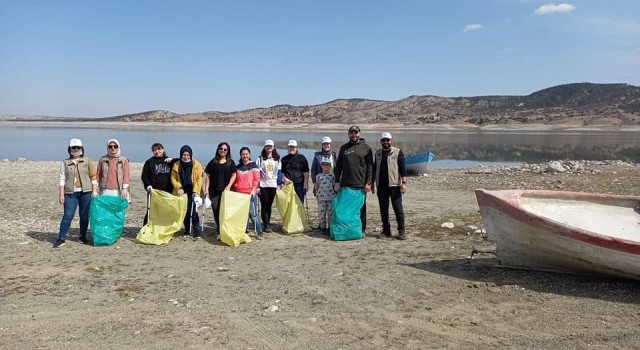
(48, 141)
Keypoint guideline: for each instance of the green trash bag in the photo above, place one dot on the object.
(107, 219)
(345, 219)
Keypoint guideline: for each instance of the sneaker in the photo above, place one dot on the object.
(325, 231)
(196, 237)
(259, 236)
(268, 229)
(217, 237)
(384, 235)
(59, 243)
(402, 236)
(83, 240)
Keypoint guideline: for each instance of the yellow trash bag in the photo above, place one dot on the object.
(166, 215)
(291, 209)
(234, 213)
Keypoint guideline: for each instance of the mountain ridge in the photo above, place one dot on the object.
(576, 104)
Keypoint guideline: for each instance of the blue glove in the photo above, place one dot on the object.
(149, 188)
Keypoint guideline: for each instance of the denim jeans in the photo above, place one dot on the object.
(71, 202)
(254, 216)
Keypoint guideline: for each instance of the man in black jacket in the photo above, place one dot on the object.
(354, 168)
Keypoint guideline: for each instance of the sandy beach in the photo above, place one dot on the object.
(303, 291)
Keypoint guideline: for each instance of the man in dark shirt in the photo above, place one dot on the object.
(295, 168)
(390, 179)
(354, 168)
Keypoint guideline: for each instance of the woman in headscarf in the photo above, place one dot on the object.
(113, 172)
(186, 177)
(77, 185)
(220, 176)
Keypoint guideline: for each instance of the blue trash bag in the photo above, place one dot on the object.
(107, 219)
(345, 221)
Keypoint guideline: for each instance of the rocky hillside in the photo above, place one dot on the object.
(581, 104)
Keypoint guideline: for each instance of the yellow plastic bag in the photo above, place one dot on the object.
(291, 209)
(234, 212)
(166, 215)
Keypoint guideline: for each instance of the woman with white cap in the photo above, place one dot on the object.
(77, 184)
(295, 168)
(113, 172)
(270, 179)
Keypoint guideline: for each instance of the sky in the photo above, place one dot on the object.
(104, 58)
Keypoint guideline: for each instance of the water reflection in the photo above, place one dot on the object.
(47, 141)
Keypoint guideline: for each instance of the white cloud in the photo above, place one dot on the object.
(472, 27)
(548, 9)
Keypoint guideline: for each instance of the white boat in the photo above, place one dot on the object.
(417, 164)
(574, 232)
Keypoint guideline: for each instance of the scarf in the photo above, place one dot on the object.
(186, 167)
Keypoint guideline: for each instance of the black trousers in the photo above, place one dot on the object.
(192, 217)
(216, 198)
(267, 195)
(395, 194)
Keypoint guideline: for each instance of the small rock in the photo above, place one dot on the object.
(273, 308)
(448, 225)
(221, 268)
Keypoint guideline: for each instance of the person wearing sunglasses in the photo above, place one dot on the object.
(390, 179)
(77, 185)
(186, 178)
(114, 175)
(220, 175)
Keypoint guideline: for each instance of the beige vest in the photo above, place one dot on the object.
(82, 170)
(105, 170)
(392, 164)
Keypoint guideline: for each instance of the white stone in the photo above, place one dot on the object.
(448, 225)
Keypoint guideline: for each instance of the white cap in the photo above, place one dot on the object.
(386, 135)
(292, 143)
(269, 143)
(326, 139)
(75, 142)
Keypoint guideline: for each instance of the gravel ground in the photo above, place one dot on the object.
(304, 291)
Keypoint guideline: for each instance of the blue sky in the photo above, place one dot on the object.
(106, 58)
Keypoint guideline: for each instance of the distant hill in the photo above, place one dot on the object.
(580, 104)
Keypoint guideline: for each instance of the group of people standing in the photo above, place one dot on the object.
(354, 165)
(81, 179)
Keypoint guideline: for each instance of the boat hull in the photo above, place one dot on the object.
(527, 238)
(418, 164)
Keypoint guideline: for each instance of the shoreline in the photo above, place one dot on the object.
(329, 127)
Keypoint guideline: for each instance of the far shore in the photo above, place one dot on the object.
(329, 127)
